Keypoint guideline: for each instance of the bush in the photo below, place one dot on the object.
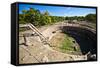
(91, 18)
(37, 18)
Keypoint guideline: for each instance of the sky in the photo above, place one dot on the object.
(59, 10)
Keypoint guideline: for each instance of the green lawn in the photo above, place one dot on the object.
(67, 44)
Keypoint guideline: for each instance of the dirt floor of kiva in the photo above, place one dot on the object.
(36, 52)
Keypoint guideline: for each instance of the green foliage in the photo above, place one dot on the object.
(78, 18)
(37, 18)
(91, 18)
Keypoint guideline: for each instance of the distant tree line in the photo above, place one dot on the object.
(78, 18)
(37, 18)
(89, 17)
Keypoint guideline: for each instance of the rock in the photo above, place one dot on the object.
(45, 59)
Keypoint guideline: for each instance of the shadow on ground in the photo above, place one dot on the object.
(85, 38)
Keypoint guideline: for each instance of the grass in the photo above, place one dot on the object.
(67, 44)
(64, 43)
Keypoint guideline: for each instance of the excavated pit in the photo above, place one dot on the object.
(86, 39)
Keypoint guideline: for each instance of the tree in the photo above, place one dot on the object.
(46, 13)
(91, 18)
(37, 18)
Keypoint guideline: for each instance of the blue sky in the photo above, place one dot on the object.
(59, 11)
